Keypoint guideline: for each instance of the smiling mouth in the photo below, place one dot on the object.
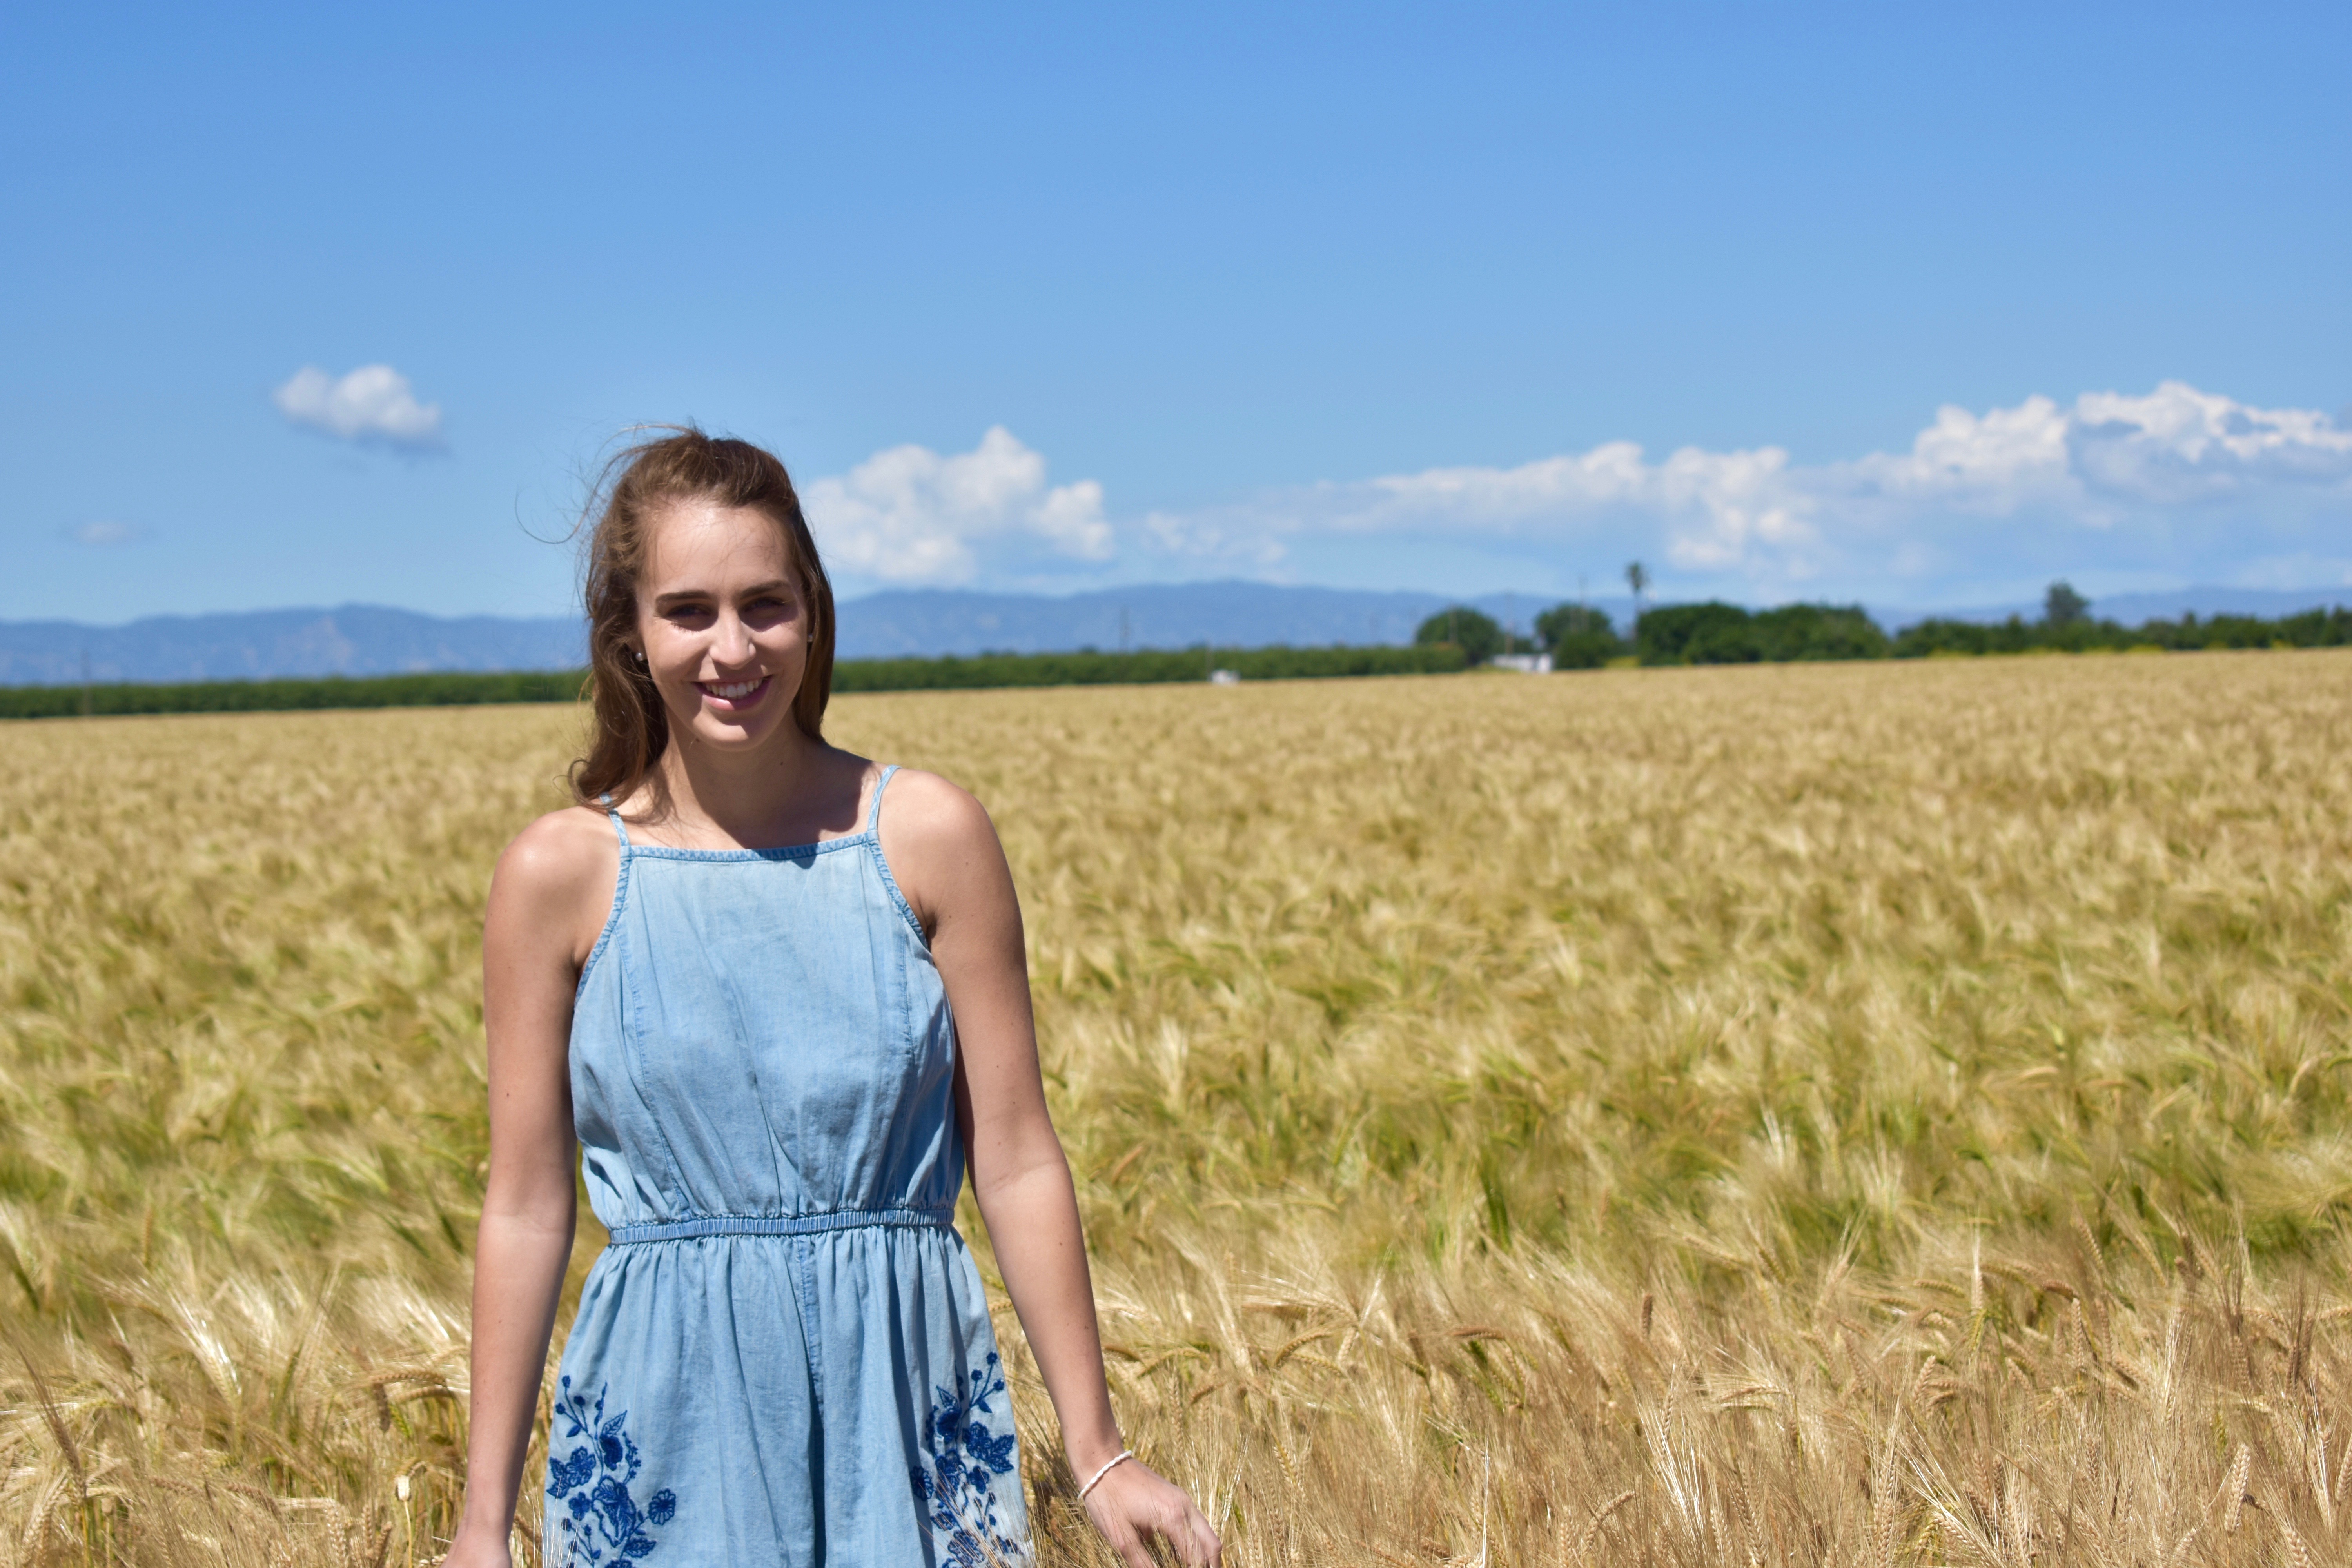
(734, 694)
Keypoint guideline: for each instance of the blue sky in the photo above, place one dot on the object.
(1921, 305)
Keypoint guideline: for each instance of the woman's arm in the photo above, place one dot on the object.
(955, 875)
(531, 950)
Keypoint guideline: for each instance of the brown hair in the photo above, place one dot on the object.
(631, 727)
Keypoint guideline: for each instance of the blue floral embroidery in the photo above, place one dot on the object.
(600, 1520)
(956, 1486)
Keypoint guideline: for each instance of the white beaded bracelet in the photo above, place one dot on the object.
(1123, 1455)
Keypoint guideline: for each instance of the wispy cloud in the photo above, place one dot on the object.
(100, 533)
(372, 404)
(909, 515)
(2177, 480)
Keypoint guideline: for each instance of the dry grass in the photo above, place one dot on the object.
(1873, 1115)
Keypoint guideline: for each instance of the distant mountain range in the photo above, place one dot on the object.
(369, 639)
(351, 639)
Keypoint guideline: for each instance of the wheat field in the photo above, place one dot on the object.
(1865, 1114)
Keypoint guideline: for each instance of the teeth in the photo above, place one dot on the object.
(740, 689)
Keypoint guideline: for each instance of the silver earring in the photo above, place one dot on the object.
(639, 653)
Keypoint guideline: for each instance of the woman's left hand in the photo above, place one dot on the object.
(1133, 1503)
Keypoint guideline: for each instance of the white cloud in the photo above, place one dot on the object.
(908, 515)
(102, 532)
(1996, 459)
(2134, 469)
(372, 404)
(2179, 444)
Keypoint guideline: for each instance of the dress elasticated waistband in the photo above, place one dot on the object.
(778, 1225)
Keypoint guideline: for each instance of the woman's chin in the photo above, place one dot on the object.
(734, 733)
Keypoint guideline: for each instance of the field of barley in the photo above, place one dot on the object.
(1861, 1114)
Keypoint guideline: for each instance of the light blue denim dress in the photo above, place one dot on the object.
(784, 1356)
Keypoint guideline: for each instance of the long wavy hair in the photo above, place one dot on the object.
(631, 726)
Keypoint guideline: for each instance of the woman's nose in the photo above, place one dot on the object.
(732, 645)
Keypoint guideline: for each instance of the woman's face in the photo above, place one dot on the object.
(723, 628)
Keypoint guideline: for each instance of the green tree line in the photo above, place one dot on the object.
(1578, 637)
(453, 688)
(441, 689)
(2312, 628)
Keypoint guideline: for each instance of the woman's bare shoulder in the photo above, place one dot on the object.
(563, 855)
(929, 814)
(941, 847)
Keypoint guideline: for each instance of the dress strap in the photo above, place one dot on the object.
(619, 827)
(873, 817)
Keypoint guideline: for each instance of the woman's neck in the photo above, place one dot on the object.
(791, 791)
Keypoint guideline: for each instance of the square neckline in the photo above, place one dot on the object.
(870, 834)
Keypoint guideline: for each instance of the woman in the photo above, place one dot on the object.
(779, 1061)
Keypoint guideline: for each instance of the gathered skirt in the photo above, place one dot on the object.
(833, 1395)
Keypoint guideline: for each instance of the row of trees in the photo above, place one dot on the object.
(1086, 668)
(444, 688)
(1578, 637)
(2312, 628)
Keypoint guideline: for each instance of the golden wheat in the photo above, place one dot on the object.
(1867, 1114)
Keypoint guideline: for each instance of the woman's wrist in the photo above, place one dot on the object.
(487, 1520)
(1091, 1453)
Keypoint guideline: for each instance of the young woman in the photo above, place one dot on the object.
(779, 1061)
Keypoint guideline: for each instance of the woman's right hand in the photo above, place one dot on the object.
(482, 1548)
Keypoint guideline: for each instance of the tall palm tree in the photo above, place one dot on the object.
(1637, 577)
